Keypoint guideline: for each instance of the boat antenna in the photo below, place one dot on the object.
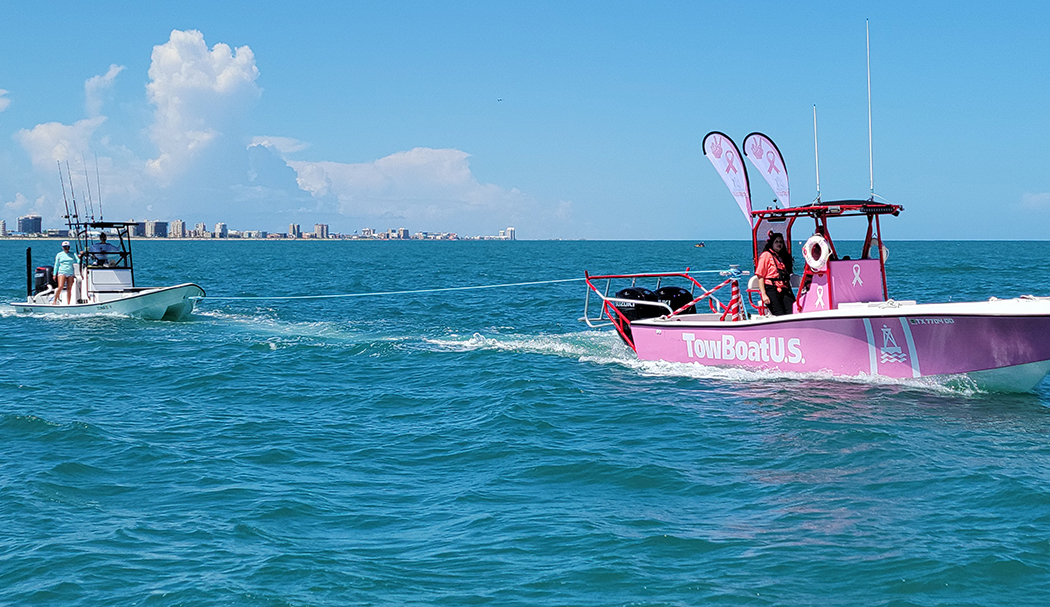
(871, 164)
(816, 150)
(91, 208)
(98, 184)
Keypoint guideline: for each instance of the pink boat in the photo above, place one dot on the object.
(843, 321)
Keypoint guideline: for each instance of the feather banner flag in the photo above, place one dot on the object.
(726, 158)
(766, 157)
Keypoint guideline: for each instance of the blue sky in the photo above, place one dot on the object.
(563, 119)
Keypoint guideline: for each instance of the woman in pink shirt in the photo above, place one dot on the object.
(774, 268)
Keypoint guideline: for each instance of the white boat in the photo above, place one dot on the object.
(104, 282)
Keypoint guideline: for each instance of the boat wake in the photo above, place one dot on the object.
(604, 348)
(585, 344)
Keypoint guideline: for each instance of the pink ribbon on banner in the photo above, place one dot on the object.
(729, 166)
(772, 163)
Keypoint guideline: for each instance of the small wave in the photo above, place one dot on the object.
(235, 316)
(574, 345)
(264, 321)
(955, 385)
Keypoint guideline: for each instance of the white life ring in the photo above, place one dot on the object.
(816, 263)
(874, 252)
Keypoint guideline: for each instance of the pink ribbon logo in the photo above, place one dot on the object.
(772, 163)
(820, 296)
(729, 166)
(856, 275)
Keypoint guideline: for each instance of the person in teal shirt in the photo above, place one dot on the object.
(65, 264)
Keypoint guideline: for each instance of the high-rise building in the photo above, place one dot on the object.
(156, 229)
(200, 230)
(178, 229)
(30, 224)
(137, 228)
(320, 230)
(294, 231)
(3, 229)
(402, 233)
(510, 233)
(221, 230)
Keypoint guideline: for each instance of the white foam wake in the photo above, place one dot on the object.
(604, 348)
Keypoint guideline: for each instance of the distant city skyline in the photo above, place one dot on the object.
(32, 225)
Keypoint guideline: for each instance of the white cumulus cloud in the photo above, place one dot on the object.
(284, 145)
(1036, 202)
(202, 165)
(4, 102)
(96, 86)
(418, 183)
(53, 142)
(23, 206)
(199, 95)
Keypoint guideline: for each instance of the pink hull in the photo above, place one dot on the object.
(917, 341)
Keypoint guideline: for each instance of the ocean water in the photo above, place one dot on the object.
(485, 447)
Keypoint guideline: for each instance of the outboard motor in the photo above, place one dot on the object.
(634, 311)
(637, 311)
(676, 297)
(42, 279)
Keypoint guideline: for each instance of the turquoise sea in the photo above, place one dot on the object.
(486, 448)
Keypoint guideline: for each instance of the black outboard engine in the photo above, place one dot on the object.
(676, 297)
(633, 311)
(637, 311)
(42, 279)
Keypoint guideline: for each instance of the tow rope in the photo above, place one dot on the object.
(378, 293)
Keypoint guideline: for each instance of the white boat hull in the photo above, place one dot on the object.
(162, 303)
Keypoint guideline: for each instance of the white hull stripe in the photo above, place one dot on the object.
(872, 352)
(911, 348)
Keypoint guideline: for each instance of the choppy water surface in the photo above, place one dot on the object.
(484, 447)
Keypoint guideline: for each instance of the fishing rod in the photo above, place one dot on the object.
(76, 212)
(65, 200)
(98, 184)
(91, 208)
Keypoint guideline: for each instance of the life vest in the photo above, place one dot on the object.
(783, 279)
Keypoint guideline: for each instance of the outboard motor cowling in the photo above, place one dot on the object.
(633, 311)
(676, 297)
(42, 279)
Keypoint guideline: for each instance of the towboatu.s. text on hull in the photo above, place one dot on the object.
(844, 322)
(104, 281)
